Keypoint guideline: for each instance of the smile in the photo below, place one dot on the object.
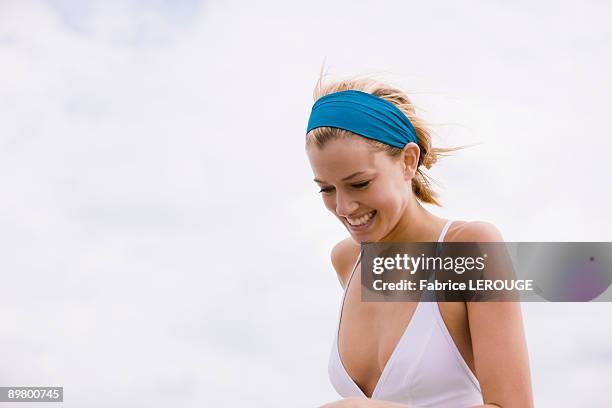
(361, 222)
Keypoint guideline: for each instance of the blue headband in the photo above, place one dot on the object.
(364, 114)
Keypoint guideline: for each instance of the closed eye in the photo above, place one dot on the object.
(363, 184)
(358, 186)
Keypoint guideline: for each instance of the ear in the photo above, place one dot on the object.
(410, 159)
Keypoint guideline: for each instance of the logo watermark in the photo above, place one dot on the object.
(487, 271)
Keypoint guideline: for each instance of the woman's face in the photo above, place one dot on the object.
(366, 190)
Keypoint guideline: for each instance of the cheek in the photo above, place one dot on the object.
(386, 199)
(329, 202)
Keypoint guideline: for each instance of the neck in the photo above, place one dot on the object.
(416, 224)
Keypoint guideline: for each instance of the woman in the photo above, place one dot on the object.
(367, 149)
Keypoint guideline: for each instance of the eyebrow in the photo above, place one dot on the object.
(344, 179)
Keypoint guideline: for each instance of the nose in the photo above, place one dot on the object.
(345, 205)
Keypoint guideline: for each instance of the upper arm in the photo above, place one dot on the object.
(343, 255)
(500, 353)
(498, 339)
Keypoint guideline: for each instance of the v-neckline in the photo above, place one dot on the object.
(385, 372)
(393, 356)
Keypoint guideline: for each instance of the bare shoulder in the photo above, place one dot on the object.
(497, 336)
(343, 257)
(475, 231)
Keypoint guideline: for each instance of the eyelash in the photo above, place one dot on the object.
(358, 186)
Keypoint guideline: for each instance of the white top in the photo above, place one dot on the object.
(424, 370)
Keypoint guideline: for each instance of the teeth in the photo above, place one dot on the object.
(361, 220)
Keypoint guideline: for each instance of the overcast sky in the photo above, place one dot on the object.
(163, 243)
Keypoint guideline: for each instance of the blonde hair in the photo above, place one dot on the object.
(429, 155)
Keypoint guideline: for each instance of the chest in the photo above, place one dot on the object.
(369, 333)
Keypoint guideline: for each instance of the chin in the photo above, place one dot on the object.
(360, 238)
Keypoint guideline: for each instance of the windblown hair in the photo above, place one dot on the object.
(429, 155)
